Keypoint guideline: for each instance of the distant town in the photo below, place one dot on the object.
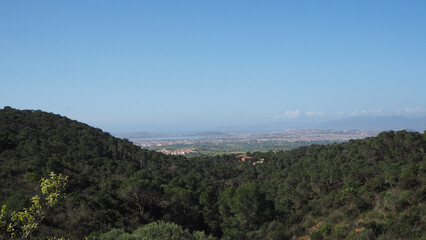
(210, 143)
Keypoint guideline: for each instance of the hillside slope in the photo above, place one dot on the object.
(33, 143)
(365, 189)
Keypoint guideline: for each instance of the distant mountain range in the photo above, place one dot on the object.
(352, 123)
(136, 135)
(209, 134)
(140, 135)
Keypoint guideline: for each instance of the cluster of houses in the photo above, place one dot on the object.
(246, 158)
(180, 151)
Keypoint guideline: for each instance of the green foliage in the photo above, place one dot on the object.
(161, 230)
(22, 223)
(322, 232)
(113, 234)
(3, 220)
(53, 187)
(369, 188)
(155, 231)
(245, 211)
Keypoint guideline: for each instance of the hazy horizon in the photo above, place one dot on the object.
(199, 66)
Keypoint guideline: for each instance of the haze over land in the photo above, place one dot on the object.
(213, 143)
(193, 66)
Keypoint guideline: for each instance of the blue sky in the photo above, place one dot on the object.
(203, 65)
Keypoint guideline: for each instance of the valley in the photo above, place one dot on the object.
(211, 143)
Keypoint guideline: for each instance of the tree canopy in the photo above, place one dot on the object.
(372, 188)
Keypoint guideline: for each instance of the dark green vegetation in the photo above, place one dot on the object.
(155, 231)
(364, 189)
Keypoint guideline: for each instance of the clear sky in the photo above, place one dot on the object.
(203, 65)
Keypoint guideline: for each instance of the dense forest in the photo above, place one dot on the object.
(362, 189)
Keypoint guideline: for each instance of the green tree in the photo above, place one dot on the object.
(22, 224)
(249, 210)
(156, 231)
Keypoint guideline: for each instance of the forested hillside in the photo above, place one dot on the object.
(365, 189)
